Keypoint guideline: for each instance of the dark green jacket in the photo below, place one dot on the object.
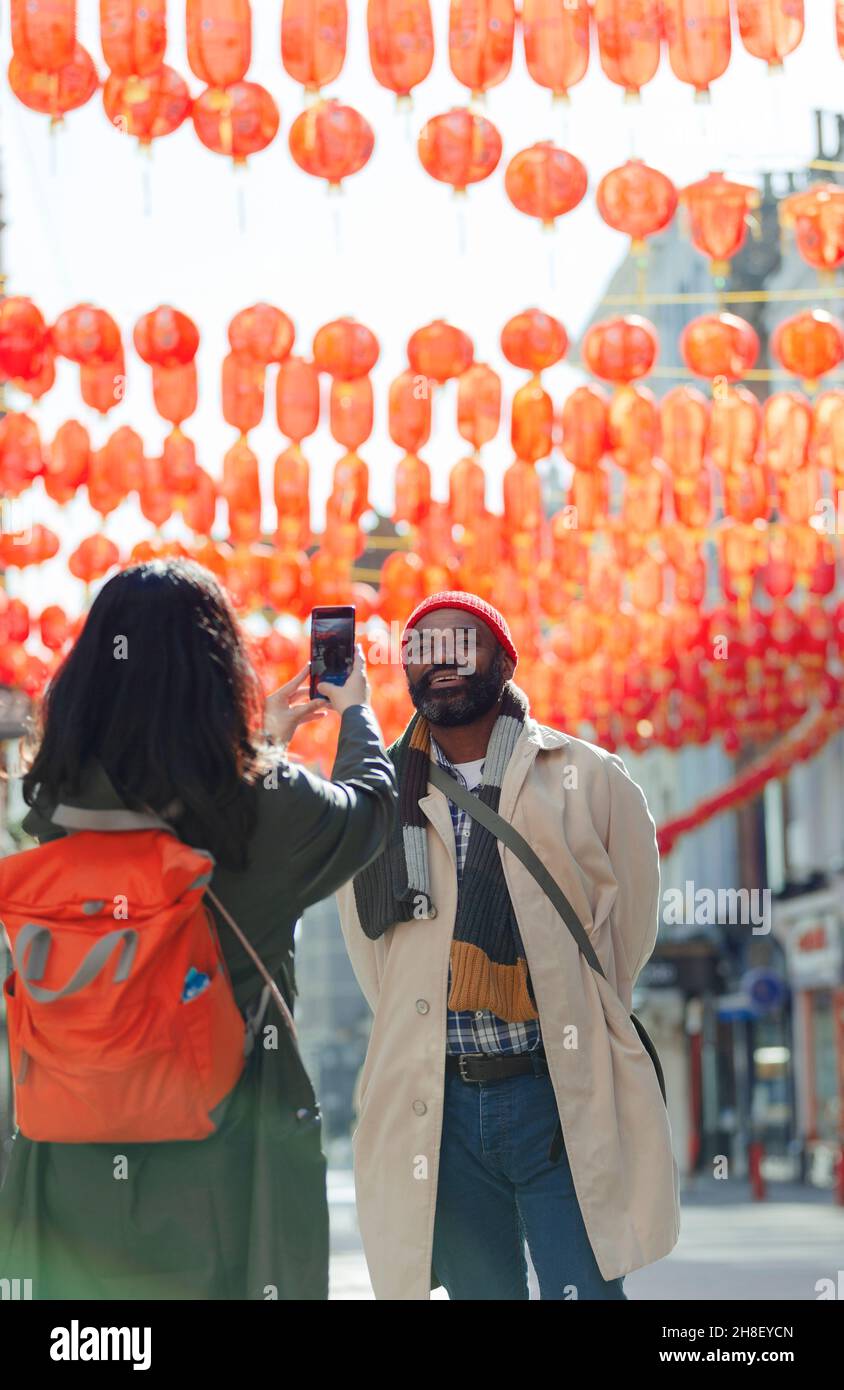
(242, 1214)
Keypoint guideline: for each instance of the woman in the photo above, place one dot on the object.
(158, 706)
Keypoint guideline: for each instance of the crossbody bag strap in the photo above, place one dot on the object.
(509, 836)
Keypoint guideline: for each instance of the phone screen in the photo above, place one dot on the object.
(332, 646)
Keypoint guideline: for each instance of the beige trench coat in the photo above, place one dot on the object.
(589, 823)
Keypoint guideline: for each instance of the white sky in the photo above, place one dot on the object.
(388, 252)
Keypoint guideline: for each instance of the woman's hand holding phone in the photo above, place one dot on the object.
(282, 716)
(354, 690)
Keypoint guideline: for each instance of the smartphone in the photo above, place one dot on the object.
(332, 646)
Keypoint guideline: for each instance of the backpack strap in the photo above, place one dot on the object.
(33, 947)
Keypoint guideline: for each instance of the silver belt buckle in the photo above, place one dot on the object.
(461, 1066)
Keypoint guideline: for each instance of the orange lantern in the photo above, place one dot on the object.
(54, 626)
(698, 37)
(401, 43)
(735, 423)
(179, 468)
(545, 182)
(243, 392)
(42, 376)
(106, 488)
(200, 505)
(621, 349)
(44, 32)
(718, 211)
(66, 461)
(770, 29)
(787, 430)
(93, 557)
(798, 495)
(466, 492)
(584, 422)
(331, 142)
(239, 121)
(633, 427)
(589, 496)
(124, 451)
(629, 32)
(241, 490)
(133, 36)
(693, 500)
(297, 398)
(556, 43)
(719, 345)
(219, 40)
(642, 502)
(522, 487)
(637, 200)
(828, 430)
(263, 333)
(350, 487)
(439, 351)
(684, 422)
(478, 404)
(459, 148)
(102, 385)
(42, 545)
(480, 42)
(155, 499)
(351, 410)
(174, 391)
(409, 412)
(20, 453)
(55, 92)
(86, 335)
(23, 336)
(166, 338)
(817, 217)
(532, 422)
(291, 493)
(147, 107)
(313, 41)
(746, 493)
(345, 349)
(413, 490)
(533, 340)
(809, 344)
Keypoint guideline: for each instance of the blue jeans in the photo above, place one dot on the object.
(498, 1188)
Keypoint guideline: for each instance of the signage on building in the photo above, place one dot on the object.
(813, 951)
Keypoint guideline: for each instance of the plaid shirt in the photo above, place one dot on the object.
(479, 1030)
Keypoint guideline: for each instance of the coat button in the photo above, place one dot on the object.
(479, 1013)
(419, 1107)
(422, 1006)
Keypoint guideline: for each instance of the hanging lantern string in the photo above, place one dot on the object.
(728, 296)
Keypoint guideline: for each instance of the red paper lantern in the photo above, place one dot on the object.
(466, 492)
(20, 453)
(413, 490)
(459, 148)
(147, 107)
(200, 506)
(297, 398)
(718, 210)
(239, 121)
(746, 493)
(439, 351)
(817, 217)
(828, 430)
(133, 36)
(42, 375)
(735, 423)
(401, 43)
(351, 411)
(243, 392)
(787, 427)
(331, 141)
(55, 628)
(43, 32)
(642, 502)
(55, 92)
(770, 29)
(532, 423)
(629, 32)
(545, 182)
(174, 391)
(636, 199)
(809, 344)
(179, 467)
(698, 37)
(242, 492)
(522, 488)
(166, 338)
(350, 487)
(409, 412)
(93, 558)
(478, 404)
(621, 349)
(480, 42)
(124, 451)
(719, 345)
(23, 336)
(66, 461)
(345, 349)
(684, 424)
(219, 40)
(263, 333)
(533, 341)
(633, 427)
(313, 40)
(584, 421)
(556, 42)
(102, 385)
(86, 335)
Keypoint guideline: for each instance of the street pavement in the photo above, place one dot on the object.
(730, 1247)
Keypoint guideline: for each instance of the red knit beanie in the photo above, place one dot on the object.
(458, 598)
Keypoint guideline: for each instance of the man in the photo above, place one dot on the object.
(490, 1026)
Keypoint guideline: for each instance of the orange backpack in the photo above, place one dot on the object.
(107, 1043)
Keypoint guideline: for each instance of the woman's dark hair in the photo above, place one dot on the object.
(159, 687)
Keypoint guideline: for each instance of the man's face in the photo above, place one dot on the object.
(456, 668)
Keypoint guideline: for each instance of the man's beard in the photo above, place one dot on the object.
(451, 707)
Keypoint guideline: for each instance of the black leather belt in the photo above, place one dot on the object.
(493, 1066)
